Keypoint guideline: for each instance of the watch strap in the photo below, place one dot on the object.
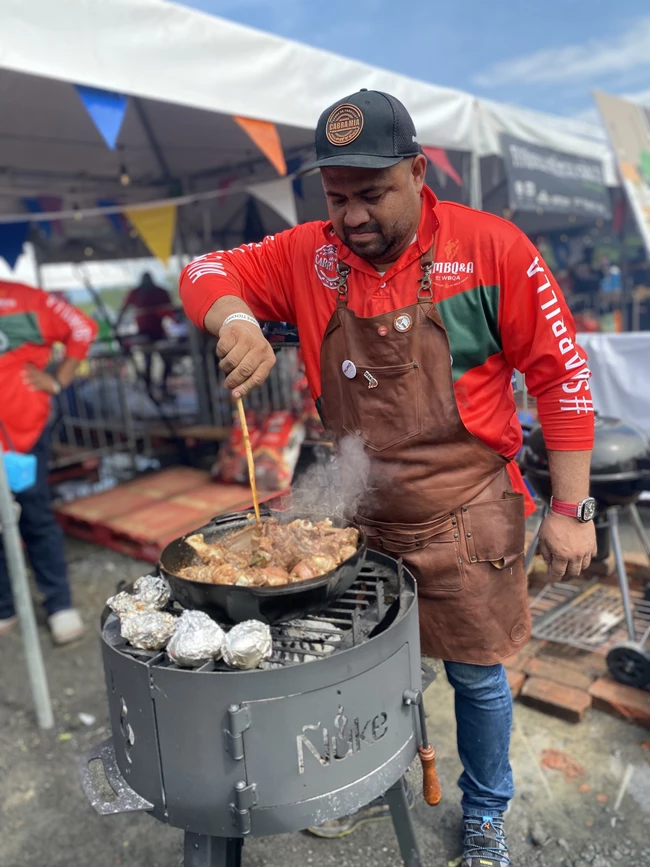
(571, 510)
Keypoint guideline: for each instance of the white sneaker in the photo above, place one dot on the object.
(7, 623)
(66, 626)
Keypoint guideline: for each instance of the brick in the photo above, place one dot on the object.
(550, 670)
(515, 681)
(562, 701)
(625, 701)
(592, 665)
(530, 649)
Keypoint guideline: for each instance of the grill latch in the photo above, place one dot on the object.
(239, 721)
(245, 799)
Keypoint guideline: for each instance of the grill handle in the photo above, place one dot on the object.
(431, 790)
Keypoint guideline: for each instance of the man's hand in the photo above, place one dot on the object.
(567, 545)
(246, 356)
(38, 380)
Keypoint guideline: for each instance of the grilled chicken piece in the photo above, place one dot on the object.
(346, 551)
(273, 576)
(312, 567)
(207, 553)
(223, 573)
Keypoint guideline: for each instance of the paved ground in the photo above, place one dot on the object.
(599, 819)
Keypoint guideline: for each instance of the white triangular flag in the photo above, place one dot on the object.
(279, 196)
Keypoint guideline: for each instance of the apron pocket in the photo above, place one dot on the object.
(383, 408)
(495, 532)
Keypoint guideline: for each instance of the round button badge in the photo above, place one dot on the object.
(402, 323)
(349, 369)
(382, 331)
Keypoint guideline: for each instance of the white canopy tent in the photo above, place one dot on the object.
(187, 74)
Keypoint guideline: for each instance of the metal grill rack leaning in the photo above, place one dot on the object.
(330, 718)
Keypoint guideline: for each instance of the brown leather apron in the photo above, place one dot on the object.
(437, 496)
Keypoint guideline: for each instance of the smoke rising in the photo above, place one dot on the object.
(337, 484)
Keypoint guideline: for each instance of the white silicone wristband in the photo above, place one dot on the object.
(243, 317)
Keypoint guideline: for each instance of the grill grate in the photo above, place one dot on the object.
(350, 620)
(589, 619)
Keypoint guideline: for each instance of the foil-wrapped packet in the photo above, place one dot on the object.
(196, 639)
(148, 630)
(123, 603)
(152, 591)
(248, 644)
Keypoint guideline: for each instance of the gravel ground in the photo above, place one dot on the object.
(601, 818)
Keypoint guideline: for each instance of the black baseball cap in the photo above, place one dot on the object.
(367, 130)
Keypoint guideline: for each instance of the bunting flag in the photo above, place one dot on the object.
(117, 221)
(278, 195)
(253, 226)
(266, 137)
(439, 158)
(106, 111)
(34, 206)
(156, 227)
(12, 238)
(292, 167)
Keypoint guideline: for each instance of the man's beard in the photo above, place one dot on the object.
(374, 249)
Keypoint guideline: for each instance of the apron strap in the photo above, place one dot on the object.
(343, 269)
(425, 290)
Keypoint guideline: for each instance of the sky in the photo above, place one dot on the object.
(545, 55)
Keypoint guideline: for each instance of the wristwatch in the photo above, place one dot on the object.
(584, 511)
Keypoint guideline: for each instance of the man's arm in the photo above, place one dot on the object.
(539, 339)
(255, 279)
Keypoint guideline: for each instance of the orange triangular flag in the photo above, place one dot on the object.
(266, 137)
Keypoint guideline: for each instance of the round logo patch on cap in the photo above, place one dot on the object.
(344, 124)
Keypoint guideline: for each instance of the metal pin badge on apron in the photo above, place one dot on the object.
(402, 323)
(372, 382)
(349, 369)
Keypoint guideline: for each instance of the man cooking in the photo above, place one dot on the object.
(412, 315)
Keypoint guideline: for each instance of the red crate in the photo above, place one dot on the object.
(83, 518)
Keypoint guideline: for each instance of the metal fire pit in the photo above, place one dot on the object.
(225, 754)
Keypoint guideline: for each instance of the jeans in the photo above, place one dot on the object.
(484, 722)
(43, 539)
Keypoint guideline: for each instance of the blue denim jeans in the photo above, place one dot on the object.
(484, 723)
(43, 539)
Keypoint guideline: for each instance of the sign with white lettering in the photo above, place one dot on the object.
(545, 180)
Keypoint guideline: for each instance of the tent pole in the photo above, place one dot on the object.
(23, 601)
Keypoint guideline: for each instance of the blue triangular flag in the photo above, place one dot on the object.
(106, 109)
(292, 166)
(12, 238)
(34, 206)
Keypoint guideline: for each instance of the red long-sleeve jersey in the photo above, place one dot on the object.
(500, 304)
(31, 321)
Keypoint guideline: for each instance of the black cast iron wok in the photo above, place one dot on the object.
(268, 604)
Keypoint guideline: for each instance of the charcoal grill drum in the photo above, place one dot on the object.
(230, 753)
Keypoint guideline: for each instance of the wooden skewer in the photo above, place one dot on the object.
(249, 458)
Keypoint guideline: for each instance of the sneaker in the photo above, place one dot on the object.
(7, 623)
(484, 842)
(374, 812)
(66, 626)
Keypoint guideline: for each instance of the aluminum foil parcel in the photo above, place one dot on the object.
(247, 645)
(148, 630)
(196, 640)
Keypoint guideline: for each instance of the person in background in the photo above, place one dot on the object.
(151, 304)
(31, 322)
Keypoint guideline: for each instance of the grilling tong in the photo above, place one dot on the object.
(431, 790)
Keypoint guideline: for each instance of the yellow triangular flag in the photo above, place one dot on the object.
(266, 137)
(156, 227)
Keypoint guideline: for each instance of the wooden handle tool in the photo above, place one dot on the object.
(430, 783)
(249, 458)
